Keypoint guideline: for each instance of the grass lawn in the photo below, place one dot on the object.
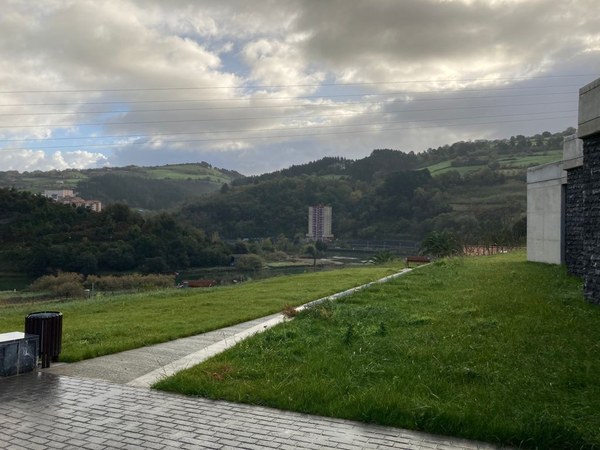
(491, 348)
(111, 324)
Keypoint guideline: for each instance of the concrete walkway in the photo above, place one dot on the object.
(155, 361)
(98, 404)
(144, 366)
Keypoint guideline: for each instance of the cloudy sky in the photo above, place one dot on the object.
(259, 85)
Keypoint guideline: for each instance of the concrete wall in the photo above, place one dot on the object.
(545, 204)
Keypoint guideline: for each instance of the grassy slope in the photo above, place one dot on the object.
(107, 325)
(491, 348)
(506, 163)
(70, 178)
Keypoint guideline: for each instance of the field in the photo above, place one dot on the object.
(491, 348)
(110, 324)
(507, 164)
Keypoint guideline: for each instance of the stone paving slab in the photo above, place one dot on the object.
(42, 410)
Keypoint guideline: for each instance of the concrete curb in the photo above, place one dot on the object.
(147, 380)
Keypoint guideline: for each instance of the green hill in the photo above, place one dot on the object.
(476, 189)
(153, 188)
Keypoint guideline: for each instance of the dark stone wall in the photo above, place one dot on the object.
(591, 217)
(574, 221)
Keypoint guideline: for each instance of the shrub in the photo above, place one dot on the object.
(129, 282)
(383, 257)
(63, 284)
(249, 262)
(440, 244)
(276, 256)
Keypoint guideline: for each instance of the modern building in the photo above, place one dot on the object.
(319, 223)
(563, 200)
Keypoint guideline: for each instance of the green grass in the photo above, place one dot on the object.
(494, 348)
(446, 166)
(506, 163)
(105, 325)
(186, 171)
(531, 160)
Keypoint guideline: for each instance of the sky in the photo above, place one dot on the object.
(257, 86)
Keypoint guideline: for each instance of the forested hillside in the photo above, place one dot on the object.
(38, 236)
(475, 189)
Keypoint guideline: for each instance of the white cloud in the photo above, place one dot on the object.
(26, 160)
(99, 50)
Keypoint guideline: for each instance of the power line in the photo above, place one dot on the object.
(278, 86)
(270, 129)
(306, 128)
(322, 96)
(130, 111)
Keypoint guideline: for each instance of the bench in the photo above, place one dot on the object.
(198, 283)
(417, 260)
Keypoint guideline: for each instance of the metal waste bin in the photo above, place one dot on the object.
(48, 326)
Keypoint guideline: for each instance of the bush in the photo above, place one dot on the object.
(383, 257)
(276, 256)
(63, 284)
(69, 289)
(249, 262)
(129, 282)
(440, 244)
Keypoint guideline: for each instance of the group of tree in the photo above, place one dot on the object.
(39, 236)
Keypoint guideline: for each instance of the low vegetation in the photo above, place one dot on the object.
(70, 285)
(108, 324)
(492, 348)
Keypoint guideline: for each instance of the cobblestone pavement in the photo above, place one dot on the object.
(47, 411)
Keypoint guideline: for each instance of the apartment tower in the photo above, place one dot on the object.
(319, 223)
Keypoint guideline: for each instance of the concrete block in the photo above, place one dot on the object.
(545, 212)
(589, 109)
(18, 353)
(572, 152)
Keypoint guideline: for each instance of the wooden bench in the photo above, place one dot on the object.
(198, 283)
(417, 260)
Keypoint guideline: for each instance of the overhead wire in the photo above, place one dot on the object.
(279, 86)
(367, 99)
(302, 128)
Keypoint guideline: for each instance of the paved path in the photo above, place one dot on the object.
(125, 367)
(98, 404)
(144, 366)
(46, 411)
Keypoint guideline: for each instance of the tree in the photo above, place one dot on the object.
(311, 250)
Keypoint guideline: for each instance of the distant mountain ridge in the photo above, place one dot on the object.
(475, 189)
(153, 188)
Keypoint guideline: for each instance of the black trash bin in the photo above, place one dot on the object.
(48, 326)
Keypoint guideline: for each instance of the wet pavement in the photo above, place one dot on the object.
(46, 411)
(105, 403)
